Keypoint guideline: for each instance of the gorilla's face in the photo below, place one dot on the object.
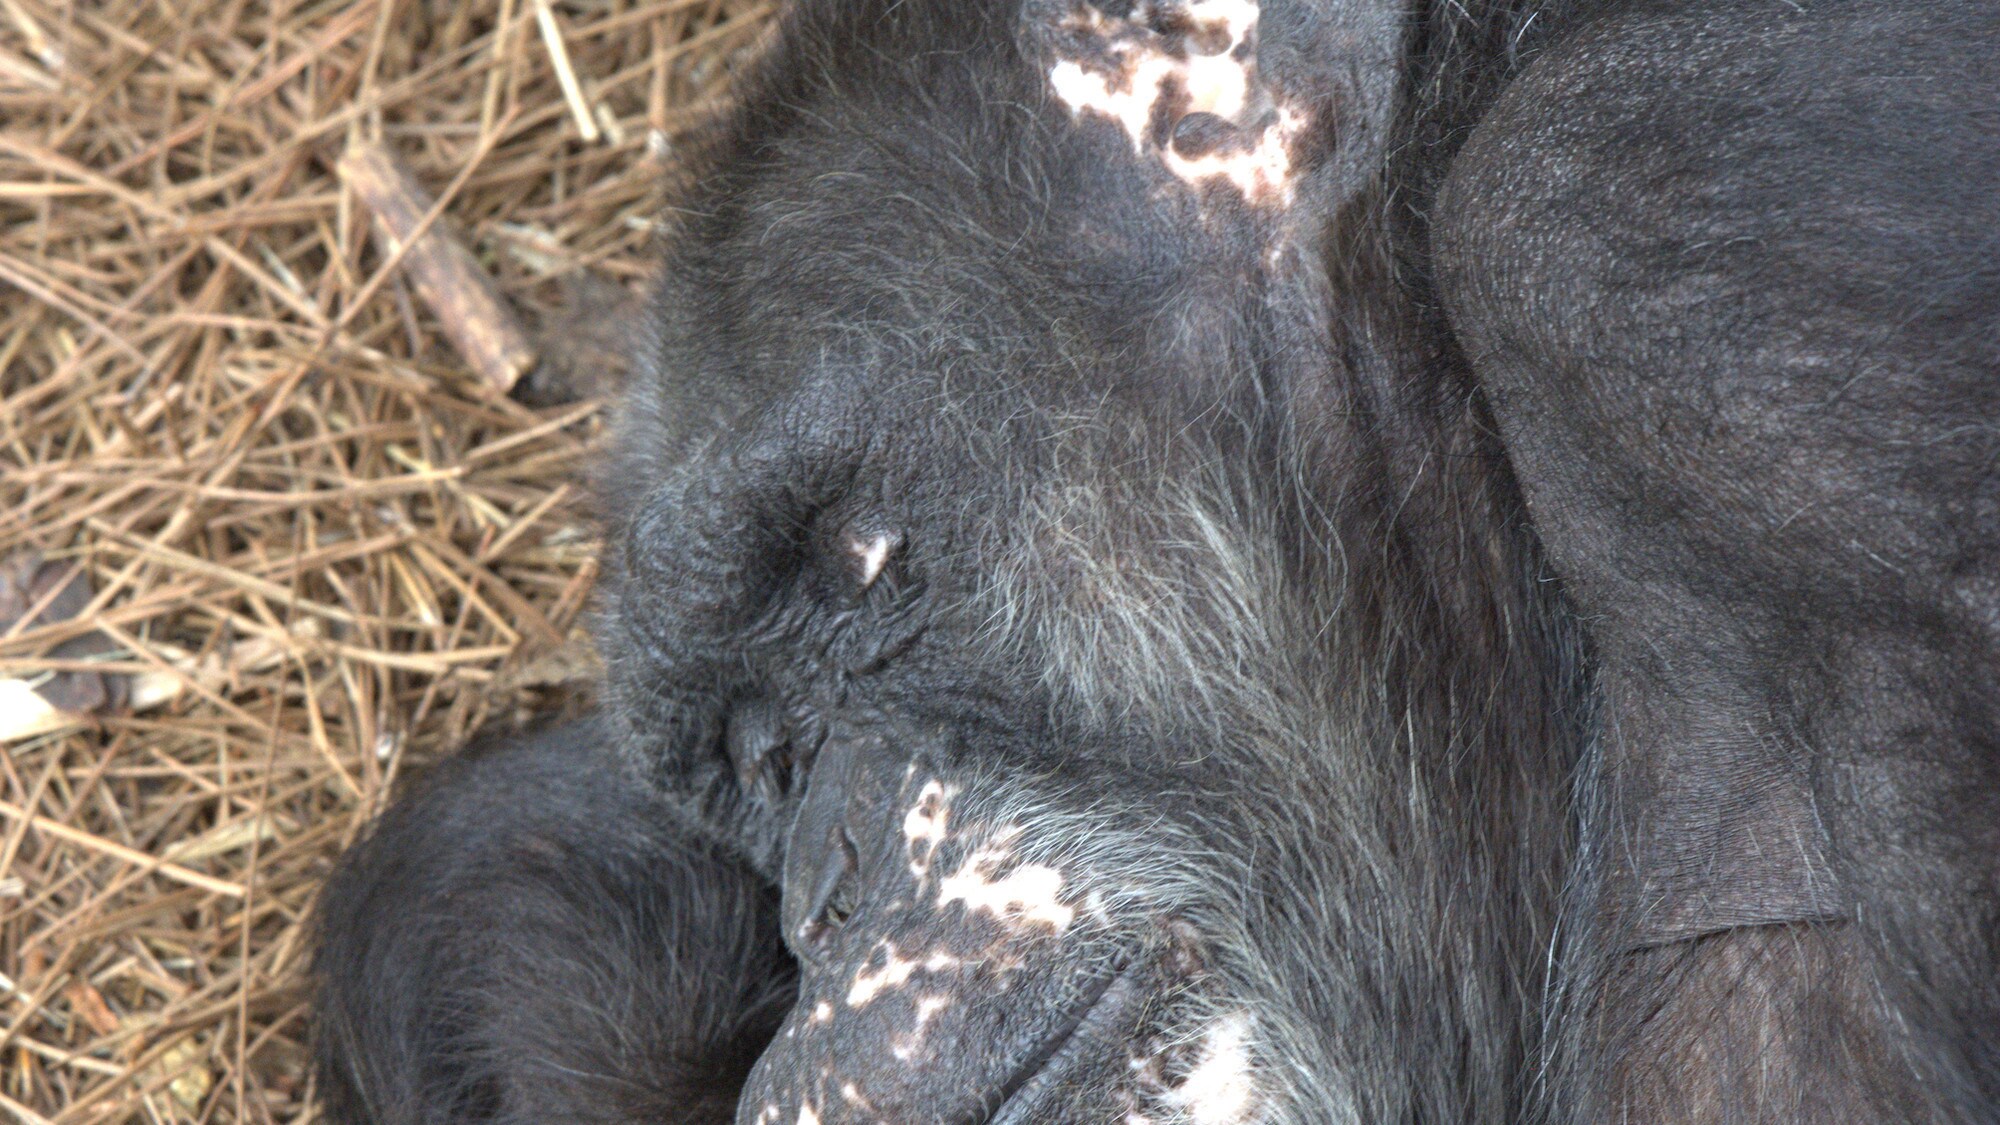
(991, 660)
(986, 594)
(995, 729)
(1001, 742)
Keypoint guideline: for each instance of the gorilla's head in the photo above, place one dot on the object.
(1042, 575)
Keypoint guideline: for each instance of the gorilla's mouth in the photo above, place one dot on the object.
(1092, 1024)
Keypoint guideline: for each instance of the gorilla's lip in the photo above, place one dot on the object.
(1097, 1009)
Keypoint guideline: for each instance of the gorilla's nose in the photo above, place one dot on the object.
(830, 901)
(823, 864)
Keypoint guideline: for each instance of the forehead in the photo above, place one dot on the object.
(909, 228)
(932, 174)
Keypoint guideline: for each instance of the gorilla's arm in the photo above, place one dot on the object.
(1741, 349)
(530, 937)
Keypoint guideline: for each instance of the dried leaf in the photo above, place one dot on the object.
(89, 1006)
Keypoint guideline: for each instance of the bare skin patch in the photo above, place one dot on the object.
(1179, 78)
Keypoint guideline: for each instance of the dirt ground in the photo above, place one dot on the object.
(270, 537)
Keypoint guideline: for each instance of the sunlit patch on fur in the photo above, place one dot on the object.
(1029, 893)
(1096, 907)
(930, 1006)
(895, 972)
(1261, 172)
(1128, 86)
(1220, 1089)
(1147, 80)
(924, 826)
(1217, 1087)
(907, 1048)
(807, 1115)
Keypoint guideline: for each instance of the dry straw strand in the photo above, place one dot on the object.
(321, 549)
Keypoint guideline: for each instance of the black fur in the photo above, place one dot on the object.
(1499, 630)
(1742, 349)
(529, 937)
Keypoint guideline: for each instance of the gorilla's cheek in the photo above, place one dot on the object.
(953, 974)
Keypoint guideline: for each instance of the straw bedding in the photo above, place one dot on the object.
(269, 538)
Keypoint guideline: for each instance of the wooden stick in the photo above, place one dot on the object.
(469, 308)
(572, 90)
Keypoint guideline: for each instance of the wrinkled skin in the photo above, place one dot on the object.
(1314, 564)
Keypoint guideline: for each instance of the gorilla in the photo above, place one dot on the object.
(1218, 562)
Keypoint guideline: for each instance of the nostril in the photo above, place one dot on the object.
(832, 901)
